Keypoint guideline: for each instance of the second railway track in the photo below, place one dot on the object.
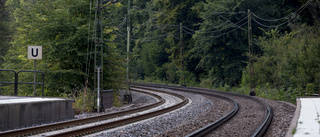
(109, 125)
(254, 117)
(67, 124)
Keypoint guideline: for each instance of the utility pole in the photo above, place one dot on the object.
(34, 77)
(98, 52)
(181, 55)
(251, 66)
(127, 96)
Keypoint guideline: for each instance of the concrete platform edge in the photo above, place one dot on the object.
(24, 114)
(294, 120)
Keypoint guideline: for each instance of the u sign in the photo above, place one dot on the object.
(34, 52)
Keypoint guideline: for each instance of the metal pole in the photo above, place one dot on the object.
(101, 53)
(128, 48)
(249, 43)
(98, 34)
(98, 91)
(95, 48)
(42, 84)
(16, 85)
(251, 71)
(181, 54)
(34, 78)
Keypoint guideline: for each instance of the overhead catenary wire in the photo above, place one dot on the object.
(286, 17)
(162, 35)
(225, 27)
(123, 21)
(88, 46)
(216, 36)
(239, 12)
(163, 26)
(121, 34)
(148, 21)
(153, 37)
(274, 26)
(270, 26)
(88, 59)
(230, 21)
(149, 40)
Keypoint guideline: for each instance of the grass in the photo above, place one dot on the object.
(287, 95)
(294, 131)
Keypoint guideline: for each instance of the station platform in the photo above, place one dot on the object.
(306, 120)
(18, 112)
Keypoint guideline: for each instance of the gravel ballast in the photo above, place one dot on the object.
(180, 122)
(203, 110)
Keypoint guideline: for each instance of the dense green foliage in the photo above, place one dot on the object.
(290, 61)
(215, 40)
(215, 37)
(61, 28)
(4, 31)
(212, 48)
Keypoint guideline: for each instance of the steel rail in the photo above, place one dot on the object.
(71, 123)
(212, 126)
(109, 125)
(263, 127)
(259, 132)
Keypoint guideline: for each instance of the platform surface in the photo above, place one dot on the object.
(12, 100)
(309, 120)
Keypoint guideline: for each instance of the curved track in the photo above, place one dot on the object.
(259, 131)
(109, 125)
(71, 123)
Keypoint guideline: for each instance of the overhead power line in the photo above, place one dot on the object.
(122, 34)
(230, 22)
(228, 31)
(123, 21)
(240, 12)
(150, 20)
(286, 19)
(215, 36)
(162, 35)
(224, 28)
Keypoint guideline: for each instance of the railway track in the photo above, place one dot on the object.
(207, 130)
(103, 126)
(61, 125)
(259, 131)
(109, 125)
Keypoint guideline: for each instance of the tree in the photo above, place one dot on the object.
(290, 61)
(61, 27)
(159, 26)
(221, 43)
(4, 31)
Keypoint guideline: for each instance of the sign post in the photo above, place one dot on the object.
(34, 52)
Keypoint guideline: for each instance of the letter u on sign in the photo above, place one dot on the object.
(34, 52)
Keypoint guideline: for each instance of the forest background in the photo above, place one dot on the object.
(201, 43)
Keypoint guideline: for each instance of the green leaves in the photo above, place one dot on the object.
(61, 28)
(220, 55)
(290, 60)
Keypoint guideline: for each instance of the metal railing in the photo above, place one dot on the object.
(16, 80)
(3, 82)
